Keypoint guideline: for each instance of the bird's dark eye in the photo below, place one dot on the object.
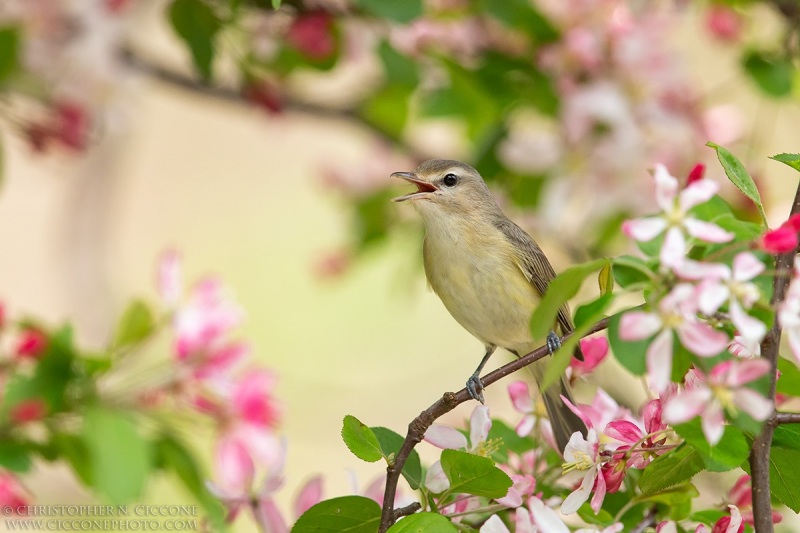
(450, 180)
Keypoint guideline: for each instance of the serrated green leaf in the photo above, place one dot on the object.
(473, 474)
(360, 440)
(403, 12)
(137, 323)
(671, 469)
(197, 24)
(603, 518)
(390, 443)
(792, 160)
(347, 514)
(787, 436)
(739, 176)
(560, 290)
(120, 457)
(784, 471)
(630, 354)
(423, 523)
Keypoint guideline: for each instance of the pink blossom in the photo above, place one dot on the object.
(523, 403)
(594, 351)
(446, 437)
(789, 312)
(723, 22)
(312, 34)
(234, 471)
(29, 410)
(696, 174)
(667, 526)
(630, 434)
(721, 389)
(30, 344)
(675, 314)
(779, 241)
(600, 413)
(675, 207)
(581, 454)
(729, 524)
(741, 496)
(2, 315)
(13, 495)
(252, 400)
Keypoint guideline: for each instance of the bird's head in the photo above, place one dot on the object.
(446, 188)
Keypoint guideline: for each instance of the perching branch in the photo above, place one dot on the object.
(760, 453)
(786, 418)
(448, 402)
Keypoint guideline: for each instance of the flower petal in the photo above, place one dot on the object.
(686, 405)
(436, 480)
(599, 494)
(696, 193)
(479, 425)
(445, 437)
(752, 403)
(673, 251)
(623, 431)
(666, 187)
(310, 495)
(644, 229)
(638, 325)
(525, 425)
(750, 329)
(579, 496)
(747, 371)
(711, 294)
(746, 266)
(494, 525)
(713, 423)
(701, 339)
(659, 360)
(546, 518)
(706, 231)
(520, 396)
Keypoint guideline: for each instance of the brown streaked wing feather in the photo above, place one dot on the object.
(535, 265)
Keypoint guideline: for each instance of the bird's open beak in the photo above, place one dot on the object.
(424, 188)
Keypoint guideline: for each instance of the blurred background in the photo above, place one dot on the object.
(259, 143)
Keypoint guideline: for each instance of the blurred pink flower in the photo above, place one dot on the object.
(721, 389)
(203, 321)
(312, 34)
(675, 315)
(723, 124)
(594, 351)
(13, 495)
(723, 22)
(696, 174)
(727, 524)
(600, 413)
(741, 496)
(252, 399)
(31, 343)
(170, 278)
(523, 403)
(783, 239)
(29, 410)
(446, 437)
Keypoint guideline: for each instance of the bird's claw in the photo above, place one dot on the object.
(553, 342)
(475, 388)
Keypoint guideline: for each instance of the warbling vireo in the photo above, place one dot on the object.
(488, 272)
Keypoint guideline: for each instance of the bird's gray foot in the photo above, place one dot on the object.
(475, 387)
(553, 342)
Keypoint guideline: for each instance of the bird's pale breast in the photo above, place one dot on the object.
(480, 283)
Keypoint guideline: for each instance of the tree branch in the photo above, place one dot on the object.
(760, 453)
(448, 402)
(786, 418)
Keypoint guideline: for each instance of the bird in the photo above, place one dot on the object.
(489, 273)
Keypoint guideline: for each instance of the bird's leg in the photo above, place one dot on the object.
(553, 342)
(474, 385)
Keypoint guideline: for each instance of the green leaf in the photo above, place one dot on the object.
(727, 454)
(587, 313)
(197, 24)
(14, 456)
(373, 218)
(423, 523)
(787, 436)
(120, 457)
(9, 51)
(502, 432)
(560, 290)
(360, 440)
(678, 500)
(137, 323)
(276, 4)
(390, 443)
(736, 172)
(74, 450)
(630, 354)
(784, 471)
(398, 68)
(603, 518)
(793, 160)
(789, 380)
(402, 11)
(388, 108)
(629, 271)
(771, 72)
(347, 514)
(473, 474)
(670, 469)
(522, 15)
(605, 280)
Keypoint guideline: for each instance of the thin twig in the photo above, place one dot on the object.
(760, 453)
(786, 418)
(448, 402)
(648, 521)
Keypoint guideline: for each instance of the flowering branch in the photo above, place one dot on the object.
(760, 453)
(448, 402)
